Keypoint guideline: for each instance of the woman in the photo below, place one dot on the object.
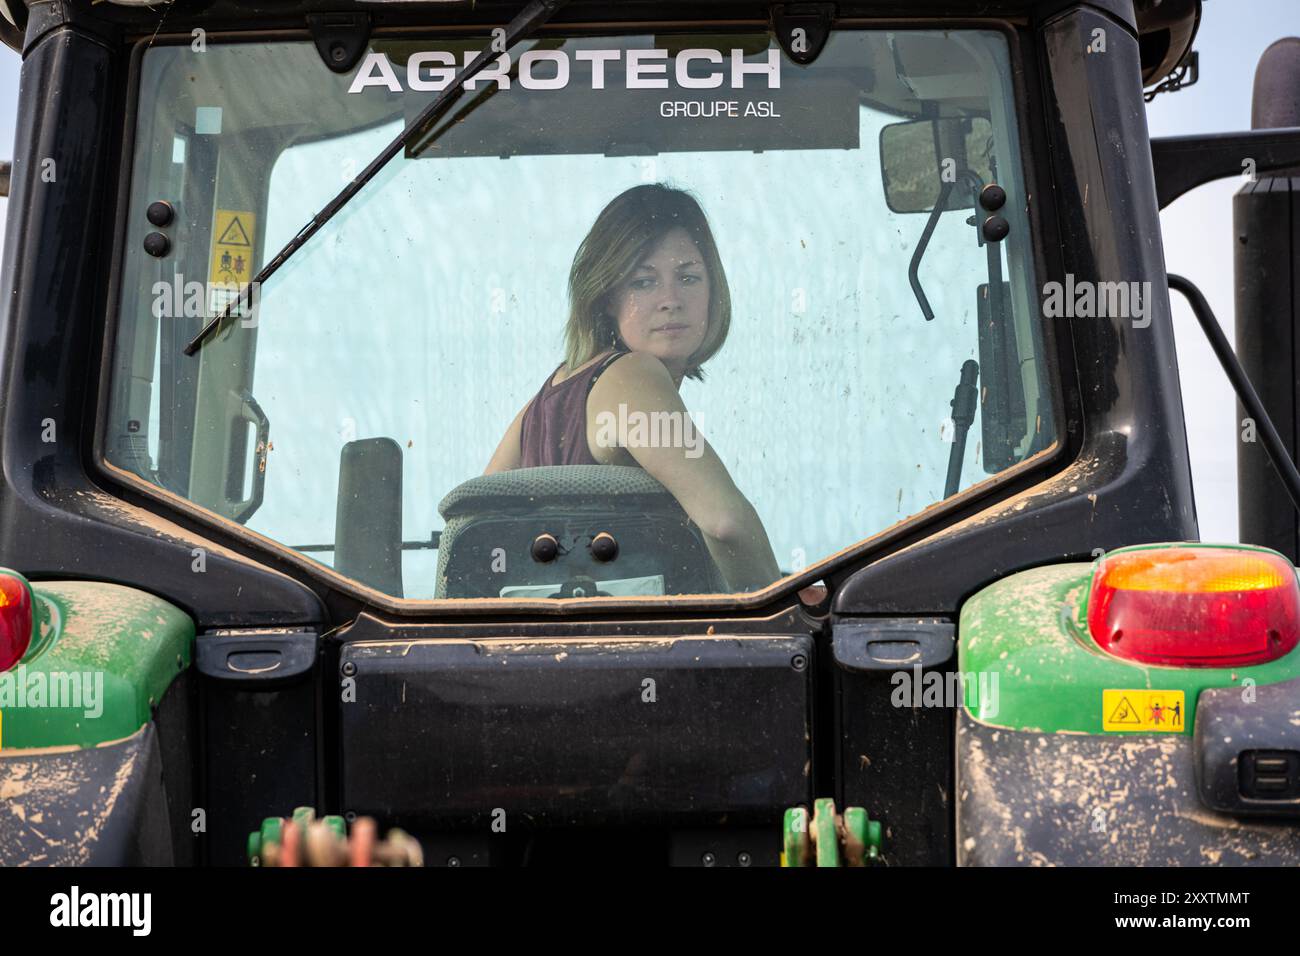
(648, 306)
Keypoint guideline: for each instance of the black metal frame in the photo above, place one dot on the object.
(1184, 162)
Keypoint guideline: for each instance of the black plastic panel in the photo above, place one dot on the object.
(631, 730)
(260, 736)
(890, 645)
(1247, 741)
(1031, 799)
(176, 721)
(895, 761)
(256, 660)
(99, 806)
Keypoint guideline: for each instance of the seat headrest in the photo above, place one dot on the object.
(551, 485)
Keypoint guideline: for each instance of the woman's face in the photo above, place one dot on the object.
(663, 307)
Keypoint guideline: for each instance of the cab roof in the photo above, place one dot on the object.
(1166, 28)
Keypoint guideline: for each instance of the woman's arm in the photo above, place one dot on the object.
(701, 484)
(509, 454)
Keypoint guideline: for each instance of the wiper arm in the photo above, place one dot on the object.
(533, 16)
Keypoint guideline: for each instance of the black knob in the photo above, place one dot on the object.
(160, 213)
(604, 547)
(545, 548)
(993, 197)
(996, 228)
(156, 244)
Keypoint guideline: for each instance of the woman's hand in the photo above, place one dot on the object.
(638, 385)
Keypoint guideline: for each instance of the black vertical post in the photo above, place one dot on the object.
(1266, 222)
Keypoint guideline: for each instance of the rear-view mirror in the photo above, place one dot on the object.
(919, 156)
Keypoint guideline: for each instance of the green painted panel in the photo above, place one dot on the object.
(1043, 672)
(102, 657)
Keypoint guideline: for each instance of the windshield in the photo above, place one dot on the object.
(646, 315)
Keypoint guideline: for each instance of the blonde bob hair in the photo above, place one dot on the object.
(626, 231)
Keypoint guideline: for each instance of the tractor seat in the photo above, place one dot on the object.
(492, 521)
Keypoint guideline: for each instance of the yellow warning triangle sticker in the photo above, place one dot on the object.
(1125, 713)
(234, 234)
(1143, 710)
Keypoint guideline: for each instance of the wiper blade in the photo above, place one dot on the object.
(533, 16)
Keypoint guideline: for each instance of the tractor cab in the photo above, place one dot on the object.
(875, 257)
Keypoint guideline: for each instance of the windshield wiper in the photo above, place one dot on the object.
(533, 16)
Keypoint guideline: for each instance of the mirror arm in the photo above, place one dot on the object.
(1181, 163)
(914, 266)
(1273, 445)
(968, 176)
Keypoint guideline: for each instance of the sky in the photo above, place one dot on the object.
(1197, 228)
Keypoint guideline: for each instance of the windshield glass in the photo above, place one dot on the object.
(649, 314)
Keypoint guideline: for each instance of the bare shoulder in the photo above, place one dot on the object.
(633, 374)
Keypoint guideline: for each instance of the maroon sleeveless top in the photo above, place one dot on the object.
(554, 427)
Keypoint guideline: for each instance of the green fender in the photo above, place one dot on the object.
(1029, 663)
(101, 658)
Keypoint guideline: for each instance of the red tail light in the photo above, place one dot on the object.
(1195, 606)
(15, 619)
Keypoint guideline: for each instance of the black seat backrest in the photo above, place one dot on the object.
(493, 520)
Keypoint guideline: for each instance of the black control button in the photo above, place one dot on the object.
(604, 547)
(996, 228)
(160, 213)
(157, 245)
(545, 548)
(993, 197)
